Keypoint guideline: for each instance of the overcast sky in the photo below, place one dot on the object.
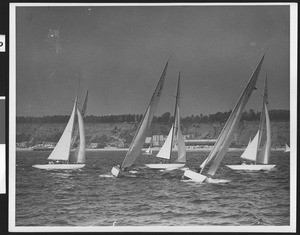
(120, 53)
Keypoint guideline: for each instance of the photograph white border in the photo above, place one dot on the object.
(293, 132)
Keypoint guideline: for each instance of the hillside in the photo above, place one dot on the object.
(32, 133)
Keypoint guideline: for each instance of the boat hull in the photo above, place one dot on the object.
(59, 166)
(250, 167)
(162, 166)
(194, 176)
(115, 171)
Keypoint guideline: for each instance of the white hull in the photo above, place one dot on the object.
(194, 176)
(59, 166)
(165, 166)
(115, 171)
(251, 167)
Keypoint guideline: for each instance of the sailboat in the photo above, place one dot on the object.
(83, 110)
(226, 136)
(166, 150)
(148, 151)
(287, 149)
(252, 153)
(59, 157)
(135, 149)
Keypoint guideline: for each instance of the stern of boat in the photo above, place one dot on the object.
(194, 176)
(115, 171)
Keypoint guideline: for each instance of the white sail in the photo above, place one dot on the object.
(221, 146)
(62, 148)
(165, 151)
(251, 150)
(74, 155)
(287, 148)
(181, 148)
(83, 110)
(136, 146)
(264, 154)
(181, 158)
(180, 140)
(148, 150)
(81, 150)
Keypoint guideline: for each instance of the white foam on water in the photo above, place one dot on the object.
(216, 181)
(106, 176)
(191, 181)
(133, 172)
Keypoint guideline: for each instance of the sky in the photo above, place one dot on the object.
(119, 52)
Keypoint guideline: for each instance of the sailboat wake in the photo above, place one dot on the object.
(191, 181)
(216, 181)
(106, 176)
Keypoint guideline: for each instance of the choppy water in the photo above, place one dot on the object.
(92, 197)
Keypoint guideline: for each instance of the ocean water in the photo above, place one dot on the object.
(92, 197)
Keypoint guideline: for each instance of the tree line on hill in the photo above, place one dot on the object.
(251, 115)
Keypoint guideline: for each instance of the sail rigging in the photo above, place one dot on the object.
(221, 146)
(141, 133)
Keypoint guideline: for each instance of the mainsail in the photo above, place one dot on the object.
(83, 110)
(62, 148)
(141, 133)
(181, 148)
(81, 150)
(221, 146)
(181, 158)
(264, 154)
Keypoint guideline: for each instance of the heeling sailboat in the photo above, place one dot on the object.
(59, 157)
(166, 150)
(137, 143)
(252, 153)
(75, 154)
(226, 136)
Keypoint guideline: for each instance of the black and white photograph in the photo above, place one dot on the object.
(156, 117)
